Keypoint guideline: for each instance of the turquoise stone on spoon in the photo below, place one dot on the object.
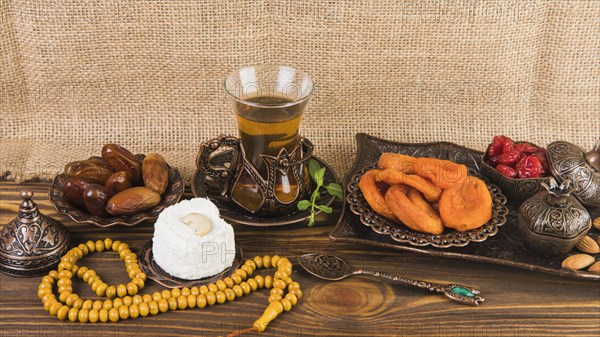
(332, 268)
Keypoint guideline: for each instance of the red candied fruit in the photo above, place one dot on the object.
(509, 158)
(530, 167)
(507, 171)
(526, 148)
(496, 147)
(508, 145)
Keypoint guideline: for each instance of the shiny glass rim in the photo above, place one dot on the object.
(304, 97)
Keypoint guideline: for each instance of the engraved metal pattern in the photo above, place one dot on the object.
(507, 248)
(568, 161)
(553, 222)
(156, 273)
(229, 172)
(333, 268)
(399, 232)
(215, 176)
(173, 193)
(32, 243)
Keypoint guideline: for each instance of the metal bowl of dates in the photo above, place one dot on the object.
(171, 196)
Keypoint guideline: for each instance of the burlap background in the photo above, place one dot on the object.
(76, 74)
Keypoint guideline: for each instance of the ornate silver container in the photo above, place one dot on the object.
(568, 161)
(552, 222)
(32, 243)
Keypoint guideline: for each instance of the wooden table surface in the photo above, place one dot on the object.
(518, 302)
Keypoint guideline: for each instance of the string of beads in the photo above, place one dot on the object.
(123, 301)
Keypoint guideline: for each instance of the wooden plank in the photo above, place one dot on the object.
(518, 302)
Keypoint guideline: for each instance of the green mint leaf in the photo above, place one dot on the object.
(313, 169)
(335, 190)
(324, 208)
(303, 205)
(319, 177)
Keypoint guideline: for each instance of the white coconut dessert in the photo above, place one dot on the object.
(191, 241)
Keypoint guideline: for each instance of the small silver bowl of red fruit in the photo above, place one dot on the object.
(518, 168)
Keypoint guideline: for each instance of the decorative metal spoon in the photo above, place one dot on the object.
(332, 268)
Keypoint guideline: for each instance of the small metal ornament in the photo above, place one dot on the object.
(553, 222)
(332, 268)
(568, 161)
(32, 243)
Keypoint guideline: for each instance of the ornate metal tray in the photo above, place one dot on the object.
(156, 273)
(172, 195)
(503, 248)
(450, 238)
(203, 187)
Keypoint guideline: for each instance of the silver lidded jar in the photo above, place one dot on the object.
(552, 222)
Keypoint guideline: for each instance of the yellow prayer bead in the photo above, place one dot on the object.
(48, 279)
(103, 315)
(203, 290)
(132, 288)
(137, 299)
(62, 312)
(89, 273)
(53, 274)
(63, 296)
(220, 296)
(117, 302)
(237, 279)
(165, 294)
(127, 300)
(296, 292)
(78, 303)
(274, 260)
(237, 290)
(72, 315)
(48, 304)
(93, 315)
(144, 309)
(242, 273)
(101, 289)
(121, 290)
(44, 291)
(97, 305)
(260, 280)
(155, 307)
(65, 274)
(274, 297)
(229, 294)
(280, 275)
(111, 291)
(54, 308)
(83, 315)
(195, 291)
(277, 291)
(191, 301)
(245, 287)
(258, 261)
(147, 298)
(156, 296)
(84, 249)
(287, 305)
(182, 302)
(65, 289)
(91, 246)
(185, 291)
(201, 301)
(123, 312)
(115, 245)
(268, 281)
(175, 292)
(294, 285)
(82, 271)
(172, 303)
(134, 311)
(100, 246)
(267, 261)
(213, 287)
(210, 298)
(247, 269)
(221, 285)
(108, 243)
(253, 284)
(251, 264)
(107, 304)
(113, 315)
(229, 282)
(122, 247)
(87, 305)
(141, 276)
(279, 284)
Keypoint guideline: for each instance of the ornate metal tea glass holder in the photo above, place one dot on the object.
(223, 160)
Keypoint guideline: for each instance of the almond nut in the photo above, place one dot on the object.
(588, 245)
(595, 268)
(596, 223)
(578, 261)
